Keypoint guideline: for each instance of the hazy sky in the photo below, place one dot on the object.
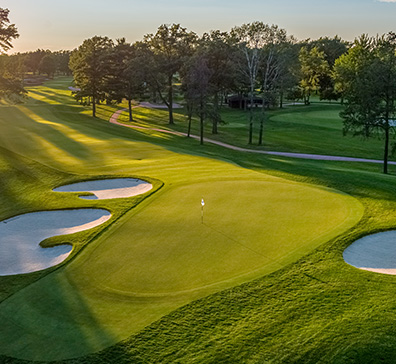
(55, 24)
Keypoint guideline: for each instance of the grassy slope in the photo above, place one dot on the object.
(81, 319)
(275, 314)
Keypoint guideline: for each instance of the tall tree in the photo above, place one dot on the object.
(33, 59)
(47, 65)
(90, 66)
(217, 48)
(313, 68)
(62, 59)
(171, 45)
(332, 48)
(289, 69)
(8, 31)
(250, 40)
(10, 80)
(273, 63)
(197, 89)
(127, 73)
(367, 77)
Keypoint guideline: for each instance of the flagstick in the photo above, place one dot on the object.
(202, 210)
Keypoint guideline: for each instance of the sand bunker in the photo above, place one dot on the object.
(376, 253)
(108, 188)
(21, 235)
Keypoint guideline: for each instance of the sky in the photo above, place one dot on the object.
(57, 24)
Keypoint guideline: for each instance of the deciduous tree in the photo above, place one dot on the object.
(10, 83)
(90, 66)
(250, 40)
(47, 65)
(217, 48)
(273, 65)
(367, 77)
(313, 68)
(197, 89)
(8, 31)
(127, 73)
(170, 46)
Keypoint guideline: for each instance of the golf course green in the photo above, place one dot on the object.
(157, 253)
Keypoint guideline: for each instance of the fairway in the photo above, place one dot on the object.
(156, 255)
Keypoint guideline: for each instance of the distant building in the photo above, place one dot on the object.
(243, 101)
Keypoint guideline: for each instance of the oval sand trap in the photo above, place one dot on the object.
(21, 235)
(108, 188)
(375, 253)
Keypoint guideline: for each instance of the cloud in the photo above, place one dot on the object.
(387, 1)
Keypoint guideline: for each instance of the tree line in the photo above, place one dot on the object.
(16, 69)
(257, 62)
(256, 65)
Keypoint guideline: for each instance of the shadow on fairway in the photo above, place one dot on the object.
(50, 134)
(70, 327)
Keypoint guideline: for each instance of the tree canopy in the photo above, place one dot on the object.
(170, 46)
(8, 31)
(366, 75)
(90, 66)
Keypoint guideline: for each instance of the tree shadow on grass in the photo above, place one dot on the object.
(54, 322)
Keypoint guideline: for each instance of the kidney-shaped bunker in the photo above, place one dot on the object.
(108, 188)
(21, 235)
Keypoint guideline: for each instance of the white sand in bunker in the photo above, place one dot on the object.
(108, 188)
(21, 235)
(375, 253)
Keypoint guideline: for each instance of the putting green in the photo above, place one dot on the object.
(250, 227)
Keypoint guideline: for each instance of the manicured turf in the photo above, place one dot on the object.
(261, 214)
(316, 128)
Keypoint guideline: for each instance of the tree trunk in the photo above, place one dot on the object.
(261, 128)
(130, 109)
(189, 118)
(170, 98)
(386, 149)
(251, 119)
(189, 126)
(216, 110)
(93, 106)
(201, 117)
(281, 100)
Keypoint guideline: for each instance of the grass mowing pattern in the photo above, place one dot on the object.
(295, 314)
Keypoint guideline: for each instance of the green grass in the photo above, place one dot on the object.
(150, 276)
(316, 129)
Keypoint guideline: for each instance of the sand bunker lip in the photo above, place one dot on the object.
(375, 253)
(108, 188)
(21, 235)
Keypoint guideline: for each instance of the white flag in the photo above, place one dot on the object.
(202, 202)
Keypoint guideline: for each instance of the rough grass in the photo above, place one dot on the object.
(315, 310)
